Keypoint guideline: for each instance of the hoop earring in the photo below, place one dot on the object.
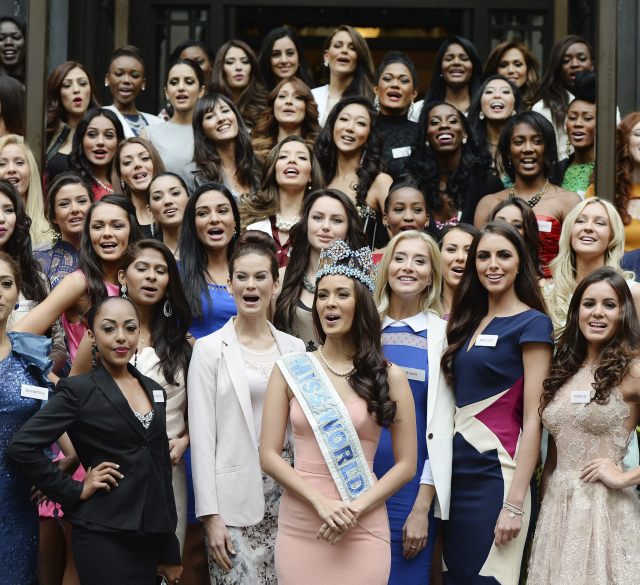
(123, 291)
(94, 351)
(167, 309)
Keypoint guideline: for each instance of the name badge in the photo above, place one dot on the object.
(487, 340)
(580, 396)
(544, 226)
(401, 152)
(158, 396)
(414, 374)
(37, 392)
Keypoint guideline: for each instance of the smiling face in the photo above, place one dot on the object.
(220, 124)
(336, 304)
(497, 101)
(513, 216)
(12, 44)
(581, 124)
(407, 211)
(100, 141)
(444, 129)
(7, 220)
(167, 201)
(410, 268)
(591, 232)
(8, 291)
(252, 284)
(497, 263)
(183, 88)
(395, 89)
(341, 56)
(527, 151)
(116, 332)
(14, 168)
(147, 278)
(214, 220)
(576, 58)
(453, 256)
(456, 66)
(289, 107)
(293, 167)
(284, 58)
(71, 206)
(125, 78)
(75, 92)
(237, 68)
(633, 145)
(109, 230)
(136, 167)
(513, 66)
(352, 128)
(327, 223)
(599, 313)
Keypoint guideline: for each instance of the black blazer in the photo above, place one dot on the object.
(102, 427)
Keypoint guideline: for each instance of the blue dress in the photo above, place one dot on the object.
(58, 261)
(18, 514)
(408, 349)
(218, 307)
(489, 392)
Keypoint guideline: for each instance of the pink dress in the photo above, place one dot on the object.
(363, 556)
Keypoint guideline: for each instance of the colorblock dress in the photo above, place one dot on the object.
(489, 391)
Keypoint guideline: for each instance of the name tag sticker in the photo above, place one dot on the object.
(401, 152)
(158, 396)
(37, 392)
(544, 226)
(487, 340)
(580, 397)
(414, 374)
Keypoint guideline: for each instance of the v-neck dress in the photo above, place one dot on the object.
(489, 392)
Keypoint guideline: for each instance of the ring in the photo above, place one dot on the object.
(413, 546)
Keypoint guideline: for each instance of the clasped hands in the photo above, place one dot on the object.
(338, 518)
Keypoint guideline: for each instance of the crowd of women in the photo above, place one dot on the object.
(303, 334)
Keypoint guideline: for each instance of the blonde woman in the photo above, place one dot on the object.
(19, 167)
(408, 298)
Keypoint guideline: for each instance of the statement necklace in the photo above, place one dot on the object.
(308, 284)
(533, 200)
(285, 225)
(331, 368)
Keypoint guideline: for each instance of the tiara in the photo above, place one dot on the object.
(339, 258)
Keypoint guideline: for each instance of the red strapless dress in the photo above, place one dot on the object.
(549, 229)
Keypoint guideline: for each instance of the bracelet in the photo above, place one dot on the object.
(513, 510)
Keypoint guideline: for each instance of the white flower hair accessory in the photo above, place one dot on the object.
(339, 258)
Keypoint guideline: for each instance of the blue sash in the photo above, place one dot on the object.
(331, 424)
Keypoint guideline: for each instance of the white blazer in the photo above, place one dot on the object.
(128, 133)
(321, 97)
(441, 406)
(227, 477)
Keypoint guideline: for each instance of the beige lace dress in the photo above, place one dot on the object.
(587, 533)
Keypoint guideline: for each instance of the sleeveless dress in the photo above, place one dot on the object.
(549, 229)
(587, 533)
(408, 349)
(489, 391)
(362, 557)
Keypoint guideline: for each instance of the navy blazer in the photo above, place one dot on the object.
(102, 427)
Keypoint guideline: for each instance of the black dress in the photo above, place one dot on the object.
(398, 134)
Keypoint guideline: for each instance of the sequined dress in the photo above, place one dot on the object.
(587, 533)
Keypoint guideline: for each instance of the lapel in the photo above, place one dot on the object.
(436, 333)
(234, 360)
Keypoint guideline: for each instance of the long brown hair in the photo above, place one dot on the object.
(616, 355)
(471, 299)
(624, 165)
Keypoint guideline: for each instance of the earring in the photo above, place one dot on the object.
(513, 113)
(481, 115)
(167, 309)
(426, 143)
(122, 185)
(135, 359)
(464, 140)
(123, 291)
(568, 149)
(376, 103)
(309, 185)
(94, 351)
(16, 306)
(326, 63)
(410, 110)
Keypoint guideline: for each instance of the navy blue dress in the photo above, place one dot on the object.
(407, 349)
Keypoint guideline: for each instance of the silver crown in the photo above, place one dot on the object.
(339, 258)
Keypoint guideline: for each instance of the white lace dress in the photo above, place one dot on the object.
(587, 533)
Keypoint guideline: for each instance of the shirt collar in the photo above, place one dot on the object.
(418, 322)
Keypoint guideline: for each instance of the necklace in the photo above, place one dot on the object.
(332, 370)
(104, 186)
(308, 284)
(533, 200)
(285, 225)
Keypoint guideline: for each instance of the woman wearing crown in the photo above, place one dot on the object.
(338, 400)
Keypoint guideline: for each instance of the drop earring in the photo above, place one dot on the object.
(135, 359)
(94, 351)
(376, 103)
(123, 291)
(481, 115)
(167, 309)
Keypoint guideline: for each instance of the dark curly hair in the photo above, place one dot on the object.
(615, 357)
(371, 162)
(370, 379)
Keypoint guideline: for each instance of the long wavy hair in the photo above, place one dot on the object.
(362, 82)
(205, 151)
(56, 114)
(265, 134)
(264, 57)
(19, 248)
(437, 91)
(154, 155)
(431, 296)
(193, 254)
(371, 161)
(616, 355)
(253, 98)
(552, 91)
(90, 263)
(530, 87)
(370, 379)
(471, 299)
(62, 180)
(474, 162)
(265, 202)
(564, 266)
(34, 199)
(624, 165)
(168, 334)
(283, 317)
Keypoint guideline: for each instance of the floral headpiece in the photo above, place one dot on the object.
(339, 258)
